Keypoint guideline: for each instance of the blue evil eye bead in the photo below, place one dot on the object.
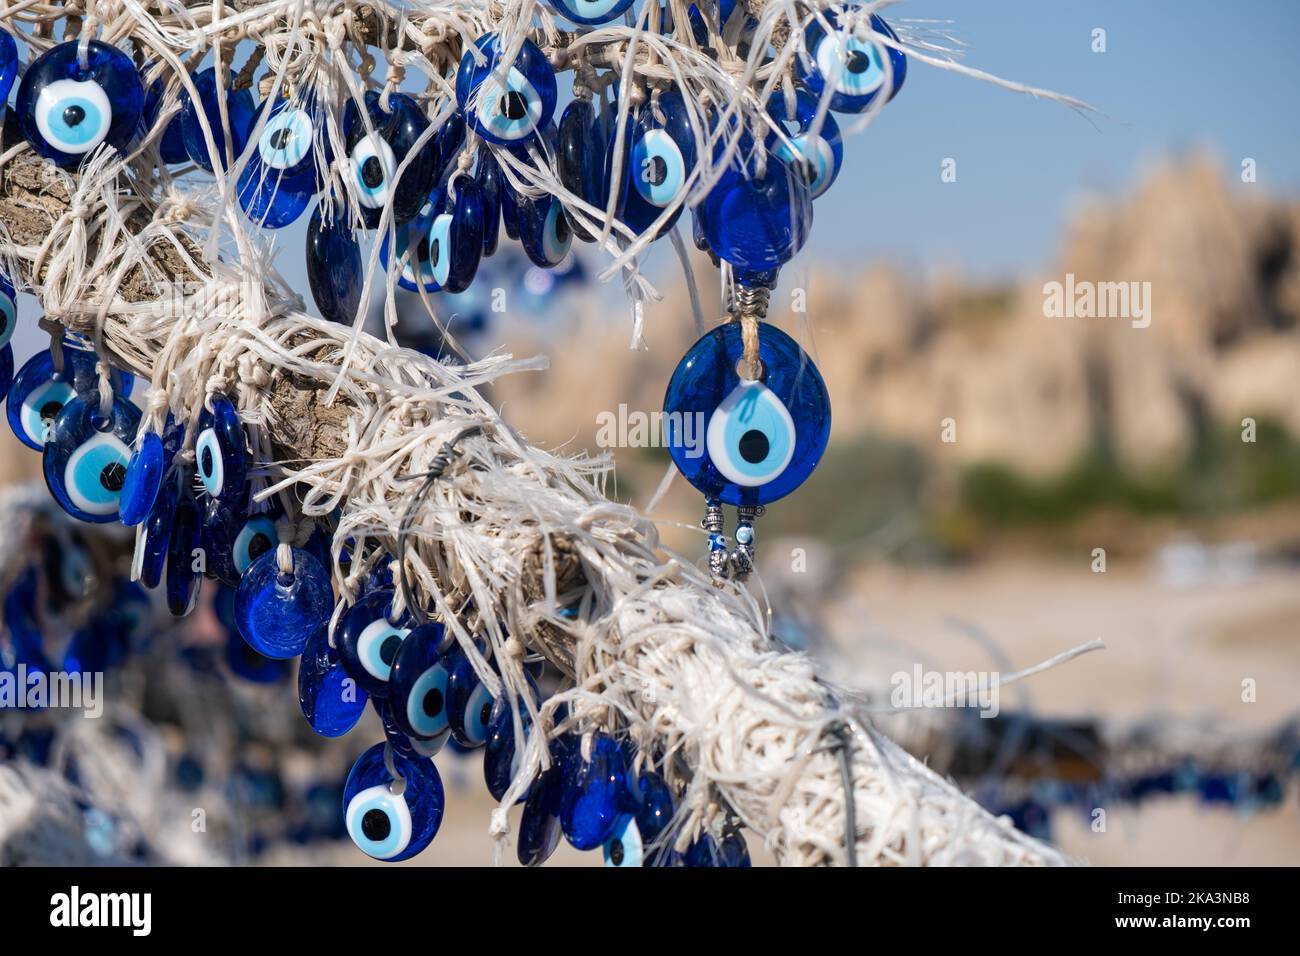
(144, 478)
(333, 268)
(746, 442)
(220, 453)
(68, 108)
(855, 66)
(368, 641)
(705, 851)
(539, 824)
(580, 157)
(6, 370)
(171, 145)
(756, 223)
(280, 179)
(86, 455)
(234, 537)
(154, 536)
(817, 158)
(488, 178)
(375, 154)
(590, 11)
(38, 394)
(278, 611)
(8, 64)
(469, 702)
(635, 840)
(544, 229)
(240, 111)
(661, 157)
(8, 310)
(418, 683)
(404, 743)
(330, 699)
(506, 105)
(389, 817)
(596, 794)
(183, 579)
(440, 249)
(500, 753)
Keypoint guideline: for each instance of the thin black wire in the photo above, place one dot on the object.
(843, 746)
(441, 462)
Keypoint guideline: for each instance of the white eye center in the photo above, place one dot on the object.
(73, 116)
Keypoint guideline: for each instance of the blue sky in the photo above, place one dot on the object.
(1177, 75)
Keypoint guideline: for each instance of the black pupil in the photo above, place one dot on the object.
(73, 115)
(112, 476)
(514, 105)
(258, 546)
(561, 229)
(389, 648)
(753, 446)
(808, 169)
(858, 62)
(657, 171)
(372, 172)
(429, 251)
(616, 852)
(281, 138)
(433, 702)
(205, 461)
(376, 825)
(485, 713)
(50, 411)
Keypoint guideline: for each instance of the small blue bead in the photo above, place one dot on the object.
(440, 249)
(333, 268)
(539, 824)
(469, 702)
(233, 538)
(281, 178)
(854, 69)
(488, 177)
(182, 580)
(589, 12)
(368, 641)
(512, 115)
(746, 443)
(85, 458)
(816, 158)
(220, 451)
(659, 159)
(144, 478)
(418, 683)
(240, 111)
(67, 110)
(279, 611)
(387, 825)
(580, 157)
(373, 159)
(544, 229)
(151, 546)
(596, 794)
(636, 838)
(500, 754)
(330, 699)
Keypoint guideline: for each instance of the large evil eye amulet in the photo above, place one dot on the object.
(506, 103)
(746, 441)
(816, 157)
(368, 638)
(440, 249)
(69, 106)
(392, 804)
(220, 452)
(85, 456)
(279, 606)
(856, 67)
(330, 699)
(377, 145)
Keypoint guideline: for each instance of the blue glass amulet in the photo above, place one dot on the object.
(330, 699)
(278, 611)
(388, 818)
(85, 456)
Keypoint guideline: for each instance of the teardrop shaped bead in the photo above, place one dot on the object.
(333, 268)
(596, 794)
(182, 579)
(144, 477)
